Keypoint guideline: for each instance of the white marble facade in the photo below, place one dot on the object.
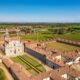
(14, 47)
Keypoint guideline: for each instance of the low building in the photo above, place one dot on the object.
(17, 71)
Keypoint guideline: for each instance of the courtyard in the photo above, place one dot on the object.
(61, 46)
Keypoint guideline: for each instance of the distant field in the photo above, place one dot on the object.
(61, 46)
(44, 32)
(73, 37)
(30, 64)
(46, 36)
(2, 75)
(36, 37)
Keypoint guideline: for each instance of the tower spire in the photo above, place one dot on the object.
(6, 35)
(17, 32)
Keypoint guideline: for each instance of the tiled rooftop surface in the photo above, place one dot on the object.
(51, 54)
(17, 69)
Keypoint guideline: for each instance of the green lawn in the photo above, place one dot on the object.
(61, 46)
(36, 37)
(30, 64)
(46, 36)
(2, 75)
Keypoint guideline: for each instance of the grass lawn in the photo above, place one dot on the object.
(2, 75)
(36, 37)
(30, 64)
(46, 36)
(61, 46)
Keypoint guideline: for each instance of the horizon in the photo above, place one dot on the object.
(40, 11)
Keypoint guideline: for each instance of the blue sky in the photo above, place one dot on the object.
(39, 10)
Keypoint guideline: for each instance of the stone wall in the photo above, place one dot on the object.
(35, 54)
(74, 43)
(42, 58)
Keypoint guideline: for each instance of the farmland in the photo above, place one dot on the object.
(61, 46)
(36, 37)
(44, 31)
(30, 64)
(71, 36)
(2, 75)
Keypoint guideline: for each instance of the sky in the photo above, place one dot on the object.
(39, 10)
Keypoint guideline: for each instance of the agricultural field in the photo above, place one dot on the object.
(44, 31)
(30, 64)
(36, 37)
(47, 33)
(73, 37)
(68, 36)
(61, 46)
(2, 75)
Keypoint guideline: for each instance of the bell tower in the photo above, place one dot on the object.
(6, 35)
(18, 34)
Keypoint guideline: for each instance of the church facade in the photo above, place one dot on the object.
(14, 47)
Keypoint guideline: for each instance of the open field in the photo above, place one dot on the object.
(70, 36)
(73, 37)
(61, 46)
(43, 31)
(2, 75)
(30, 64)
(36, 37)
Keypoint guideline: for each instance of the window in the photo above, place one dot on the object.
(18, 49)
(10, 51)
(14, 44)
(48, 78)
(15, 51)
